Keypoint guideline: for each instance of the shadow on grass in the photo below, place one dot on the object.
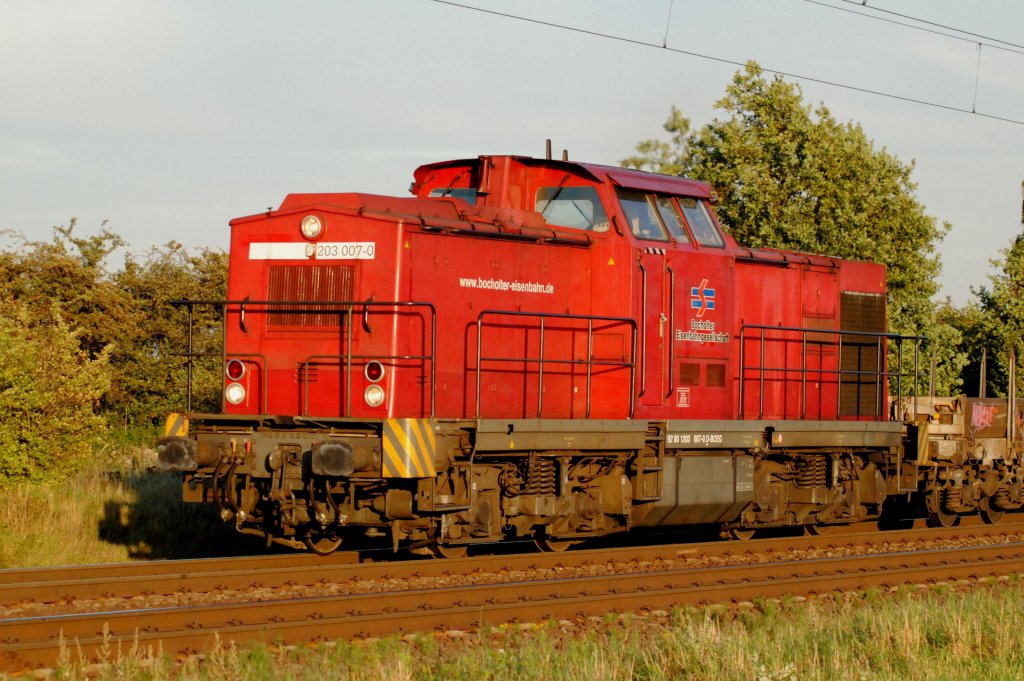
(158, 525)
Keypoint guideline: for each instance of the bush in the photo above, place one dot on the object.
(49, 389)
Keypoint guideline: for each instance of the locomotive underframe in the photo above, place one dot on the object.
(562, 481)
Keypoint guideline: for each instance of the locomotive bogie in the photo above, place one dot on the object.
(816, 489)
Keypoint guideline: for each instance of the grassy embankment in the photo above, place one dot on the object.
(932, 634)
(927, 634)
(116, 511)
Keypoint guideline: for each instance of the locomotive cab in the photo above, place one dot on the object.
(658, 254)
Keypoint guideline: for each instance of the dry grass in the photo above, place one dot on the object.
(914, 634)
(121, 510)
(128, 512)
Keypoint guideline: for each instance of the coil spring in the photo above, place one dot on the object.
(953, 498)
(541, 477)
(1001, 500)
(812, 472)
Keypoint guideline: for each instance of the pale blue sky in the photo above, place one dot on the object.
(170, 118)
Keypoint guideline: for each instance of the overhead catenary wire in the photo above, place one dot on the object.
(732, 62)
(931, 23)
(961, 38)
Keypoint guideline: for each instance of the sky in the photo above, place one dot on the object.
(165, 120)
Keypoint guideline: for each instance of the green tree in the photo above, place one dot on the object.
(69, 273)
(49, 391)
(791, 177)
(83, 349)
(125, 314)
(995, 323)
(153, 374)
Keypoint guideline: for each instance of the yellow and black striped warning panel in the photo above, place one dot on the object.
(176, 424)
(409, 448)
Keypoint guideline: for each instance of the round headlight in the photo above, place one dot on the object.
(374, 371)
(234, 369)
(374, 395)
(311, 226)
(234, 393)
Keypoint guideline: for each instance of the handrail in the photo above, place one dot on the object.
(540, 361)
(643, 330)
(671, 329)
(311, 360)
(840, 337)
(343, 307)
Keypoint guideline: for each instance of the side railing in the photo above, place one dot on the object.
(542, 326)
(348, 312)
(784, 338)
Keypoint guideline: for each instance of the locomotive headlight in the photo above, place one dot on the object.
(311, 226)
(234, 393)
(374, 395)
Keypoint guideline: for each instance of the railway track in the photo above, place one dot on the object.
(66, 584)
(501, 589)
(126, 580)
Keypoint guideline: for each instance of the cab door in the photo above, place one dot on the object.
(653, 310)
(654, 315)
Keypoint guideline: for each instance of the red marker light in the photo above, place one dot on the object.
(234, 369)
(374, 371)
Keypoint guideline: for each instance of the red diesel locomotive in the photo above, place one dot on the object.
(558, 350)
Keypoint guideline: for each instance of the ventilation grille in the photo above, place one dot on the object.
(305, 284)
(863, 312)
(863, 359)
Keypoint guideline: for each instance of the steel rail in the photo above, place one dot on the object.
(128, 580)
(34, 642)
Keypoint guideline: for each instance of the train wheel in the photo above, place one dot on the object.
(819, 530)
(550, 545)
(449, 551)
(937, 517)
(989, 515)
(738, 533)
(323, 544)
(943, 519)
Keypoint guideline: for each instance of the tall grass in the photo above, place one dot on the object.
(915, 634)
(122, 510)
(119, 509)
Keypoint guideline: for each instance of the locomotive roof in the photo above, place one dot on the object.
(622, 177)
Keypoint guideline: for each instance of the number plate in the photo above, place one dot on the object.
(345, 250)
(324, 250)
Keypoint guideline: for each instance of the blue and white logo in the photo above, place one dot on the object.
(703, 298)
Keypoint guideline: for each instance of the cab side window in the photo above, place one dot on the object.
(641, 215)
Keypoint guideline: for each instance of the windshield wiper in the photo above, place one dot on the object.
(558, 190)
(448, 189)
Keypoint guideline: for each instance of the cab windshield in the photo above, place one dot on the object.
(659, 217)
(575, 207)
(704, 230)
(467, 194)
